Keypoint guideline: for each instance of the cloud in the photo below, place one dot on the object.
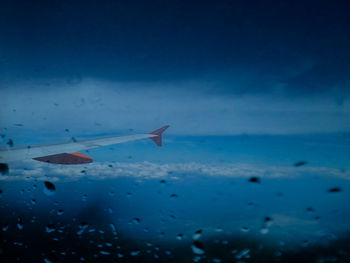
(93, 106)
(147, 170)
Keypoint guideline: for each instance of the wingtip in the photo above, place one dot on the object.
(158, 132)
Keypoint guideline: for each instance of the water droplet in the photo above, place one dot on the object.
(135, 253)
(219, 229)
(5, 227)
(33, 201)
(179, 236)
(264, 230)
(84, 197)
(120, 255)
(197, 234)
(305, 243)
(278, 253)
(50, 228)
(10, 143)
(196, 259)
(60, 212)
(254, 179)
(245, 229)
(83, 226)
(310, 209)
(174, 196)
(198, 248)
(114, 230)
(268, 221)
(136, 220)
(4, 168)
(104, 252)
(334, 190)
(243, 254)
(49, 188)
(301, 163)
(19, 223)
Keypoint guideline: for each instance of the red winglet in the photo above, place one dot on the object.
(158, 139)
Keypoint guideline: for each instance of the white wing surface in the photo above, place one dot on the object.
(39, 152)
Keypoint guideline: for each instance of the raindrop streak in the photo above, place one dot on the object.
(49, 188)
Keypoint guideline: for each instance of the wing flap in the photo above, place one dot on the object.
(65, 158)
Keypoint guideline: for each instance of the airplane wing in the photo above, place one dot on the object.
(67, 153)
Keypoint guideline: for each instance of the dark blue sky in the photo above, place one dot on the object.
(298, 47)
(204, 67)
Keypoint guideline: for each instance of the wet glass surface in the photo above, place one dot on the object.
(255, 165)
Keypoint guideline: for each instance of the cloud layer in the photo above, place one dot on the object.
(147, 170)
(93, 106)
